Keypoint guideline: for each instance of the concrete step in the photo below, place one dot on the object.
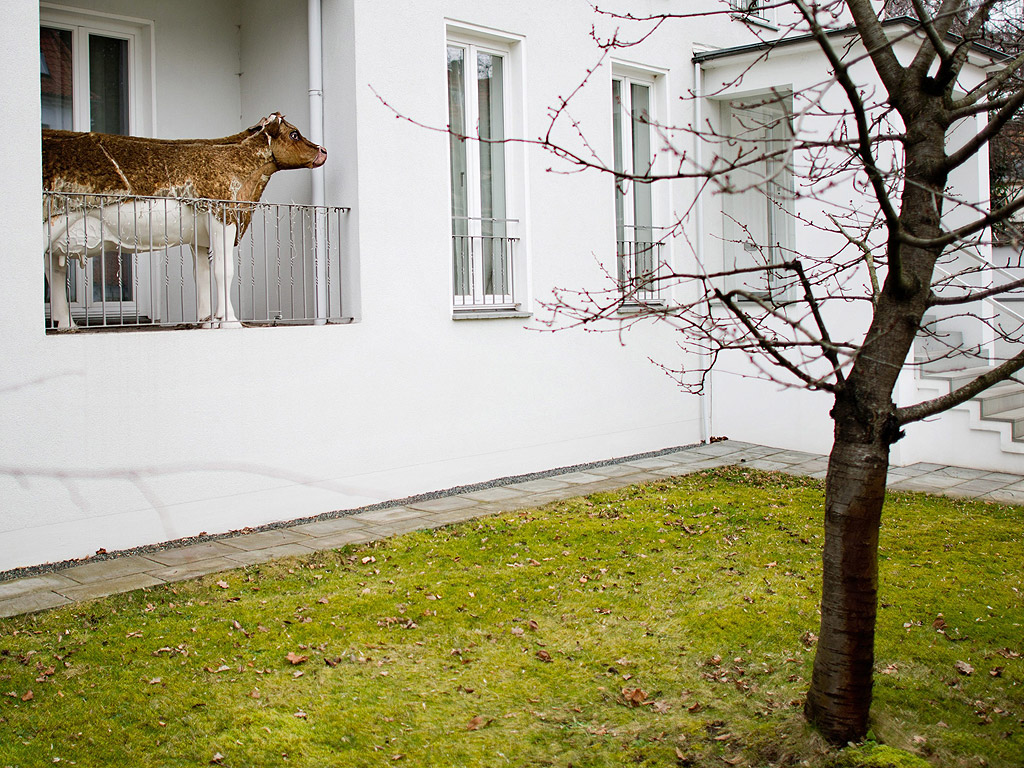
(1003, 402)
(958, 377)
(1007, 396)
(1016, 419)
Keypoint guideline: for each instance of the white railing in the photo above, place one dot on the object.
(484, 263)
(157, 261)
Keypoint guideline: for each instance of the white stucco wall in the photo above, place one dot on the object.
(119, 439)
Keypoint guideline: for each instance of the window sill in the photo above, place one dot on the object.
(755, 21)
(639, 307)
(489, 314)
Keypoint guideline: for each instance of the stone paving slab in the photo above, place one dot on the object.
(360, 535)
(46, 582)
(257, 556)
(103, 570)
(393, 514)
(189, 569)
(541, 486)
(580, 478)
(111, 586)
(494, 494)
(327, 527)
(120, 574)
(30, 602)
(612, 470)
(443, 504)
(182, 556)
(264, 539)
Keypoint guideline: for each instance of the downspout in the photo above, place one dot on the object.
(316, 135)
(698, 250)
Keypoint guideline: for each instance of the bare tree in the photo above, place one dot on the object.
(913, 259)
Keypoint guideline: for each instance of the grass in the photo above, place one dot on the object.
(664, 625)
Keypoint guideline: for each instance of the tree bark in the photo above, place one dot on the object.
(839, 700)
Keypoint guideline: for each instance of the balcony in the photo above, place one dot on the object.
(484, 264)
(133, 262)
(639, 264)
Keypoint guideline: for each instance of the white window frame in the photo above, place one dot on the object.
(773, 198)
(759, 12)
(138, 33)
(475, 39)
(628, 74)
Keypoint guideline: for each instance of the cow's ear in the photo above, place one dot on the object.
(272, 123)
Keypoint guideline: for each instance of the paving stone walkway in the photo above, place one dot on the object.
(175, 563)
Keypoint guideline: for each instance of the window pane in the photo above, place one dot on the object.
(108, 84)
(618, 160)
(457, 150)
(643, 232)
(491, 105)
(112, 277)
(641, 110)
(55, 80)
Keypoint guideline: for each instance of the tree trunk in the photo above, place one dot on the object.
(839, 700)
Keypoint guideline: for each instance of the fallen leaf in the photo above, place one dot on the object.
(28, 695)
(223, 584)
(634, 697)
(544, 655)
(964, 668)
(300, 714)
(296, 658)
(217, 759)
(532, 624)
(478, 722)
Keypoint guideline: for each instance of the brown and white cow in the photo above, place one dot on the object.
(185, 172)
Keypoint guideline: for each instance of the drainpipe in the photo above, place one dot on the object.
(698, 159)
(316, 135)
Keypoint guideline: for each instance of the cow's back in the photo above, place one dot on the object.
(109, 164)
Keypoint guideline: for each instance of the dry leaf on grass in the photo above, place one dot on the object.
(296, 658)
(478, 722)
(634, 697)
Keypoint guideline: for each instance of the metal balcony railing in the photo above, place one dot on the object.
(484, 263)
(639, 262)
(155, 261)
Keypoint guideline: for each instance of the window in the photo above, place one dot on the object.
(486, 267)
(757, 208)
(637, 246)
(751, 8)
(93, 77)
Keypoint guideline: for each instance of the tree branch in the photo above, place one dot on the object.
(958, 396)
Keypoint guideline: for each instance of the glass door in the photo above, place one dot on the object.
(85, 85)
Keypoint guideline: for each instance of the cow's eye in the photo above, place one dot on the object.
(294, 135)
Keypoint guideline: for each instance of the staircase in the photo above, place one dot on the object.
(1000, 408)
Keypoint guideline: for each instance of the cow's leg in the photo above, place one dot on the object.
(222, 252)
(203, 290)
(56, 270)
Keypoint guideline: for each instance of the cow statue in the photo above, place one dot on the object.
(187, 172)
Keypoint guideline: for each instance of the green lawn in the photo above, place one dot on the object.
(664, 625)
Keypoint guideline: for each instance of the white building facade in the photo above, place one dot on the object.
(440, 367)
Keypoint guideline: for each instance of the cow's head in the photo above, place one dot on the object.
(289, 147)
